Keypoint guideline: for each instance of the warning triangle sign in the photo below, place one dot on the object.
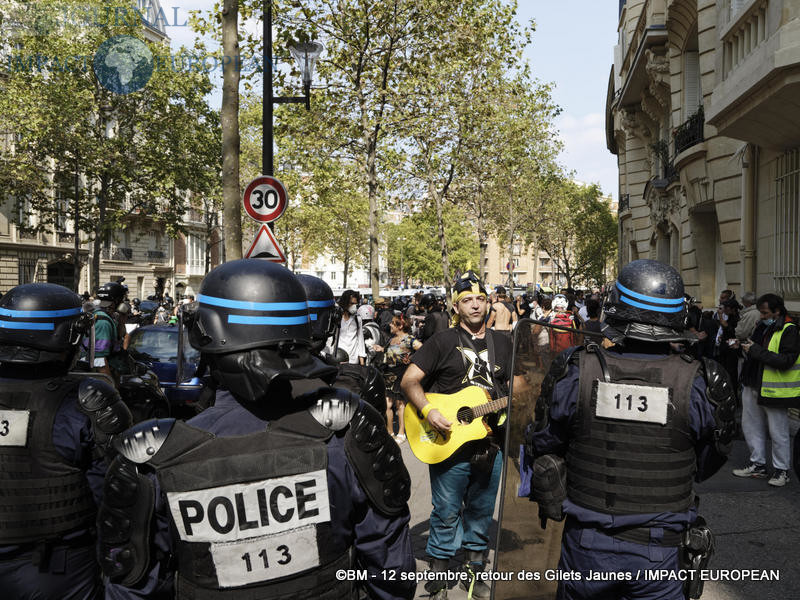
(266, 246)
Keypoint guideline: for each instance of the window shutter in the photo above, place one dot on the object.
(691, 83)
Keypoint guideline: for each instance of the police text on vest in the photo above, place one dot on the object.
(246, 510)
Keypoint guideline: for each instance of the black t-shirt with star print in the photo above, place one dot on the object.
(452, 362)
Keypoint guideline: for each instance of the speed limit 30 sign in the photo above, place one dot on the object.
(264, 199)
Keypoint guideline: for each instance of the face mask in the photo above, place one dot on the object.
(767, 322)
(352, 309)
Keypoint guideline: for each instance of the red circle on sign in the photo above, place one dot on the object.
(265, 199)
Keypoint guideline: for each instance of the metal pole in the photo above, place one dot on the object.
(266, 148)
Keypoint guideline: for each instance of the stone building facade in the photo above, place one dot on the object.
(703, 114)
(139, 250)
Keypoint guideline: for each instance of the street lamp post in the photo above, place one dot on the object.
(306, 55)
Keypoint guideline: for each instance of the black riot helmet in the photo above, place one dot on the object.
(111, 294)
(321, 308)
(647, 302)
(41, 323)
(251, 323)
(428, 301)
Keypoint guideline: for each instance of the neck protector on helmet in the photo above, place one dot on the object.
(248, 375)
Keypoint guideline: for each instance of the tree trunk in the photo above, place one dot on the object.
(347, 264)
(229, 117)
(510, 280)
(76, 259)
(100, 232)
(437, 201)
(372, 193)
(209, 230)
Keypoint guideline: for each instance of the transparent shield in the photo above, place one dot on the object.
(527, 554)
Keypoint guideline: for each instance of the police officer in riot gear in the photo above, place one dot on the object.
(50, 446)
(366, 381)
(271, 492)
(435, 318)
(633, 426)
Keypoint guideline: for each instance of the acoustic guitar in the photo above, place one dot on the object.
(465, 411)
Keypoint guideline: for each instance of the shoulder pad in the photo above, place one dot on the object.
(377, 462)
(335, 409)
(560, 365)
(141, 442)
(123, 522)
(558, 370)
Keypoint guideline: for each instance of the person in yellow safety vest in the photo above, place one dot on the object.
(770, 386)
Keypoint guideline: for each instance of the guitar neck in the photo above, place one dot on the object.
(484, 409)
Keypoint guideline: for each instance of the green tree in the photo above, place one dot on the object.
(137, 155)
(410, 241)
(328, 208)
(581, 239)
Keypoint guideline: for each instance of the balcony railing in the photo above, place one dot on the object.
(690, 132)
(64, 237)
(624, 202)
(156, 256)
(117, 254)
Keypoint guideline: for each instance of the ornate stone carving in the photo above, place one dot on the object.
(663, 204)
(633, 124)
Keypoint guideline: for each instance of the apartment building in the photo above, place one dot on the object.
(703, 114)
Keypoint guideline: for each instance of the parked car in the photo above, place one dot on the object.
(157, 347)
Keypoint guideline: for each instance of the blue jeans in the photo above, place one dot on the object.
(463, 505)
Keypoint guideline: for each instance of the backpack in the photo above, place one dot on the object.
(561, 340)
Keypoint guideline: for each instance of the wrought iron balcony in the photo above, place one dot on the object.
(624, 202)
(156, 256)
(117, 254)
(690, 132)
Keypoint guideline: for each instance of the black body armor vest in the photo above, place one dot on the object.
(250, 515)
(621, 458)
(42, 496)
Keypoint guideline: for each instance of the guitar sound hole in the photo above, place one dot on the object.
(465, 415)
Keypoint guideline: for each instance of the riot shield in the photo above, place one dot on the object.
(527, 554)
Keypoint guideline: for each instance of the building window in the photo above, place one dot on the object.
(63, 222)
(195, 254)
(787, 225)
(27, 270)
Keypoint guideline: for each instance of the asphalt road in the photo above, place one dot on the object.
(757, 529)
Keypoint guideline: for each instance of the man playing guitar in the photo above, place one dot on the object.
(463, 487)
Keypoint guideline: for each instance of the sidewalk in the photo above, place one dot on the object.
(757, 527)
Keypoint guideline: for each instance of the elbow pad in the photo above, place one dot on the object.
(720, 393)
(377, 462)
(124, 522)
(109, 415)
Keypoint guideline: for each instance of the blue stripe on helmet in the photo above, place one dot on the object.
(39, 314)
(663, 309)
(313, 316)
(639, 296)
(243, 305)
(320, 303)
(248, 320)
(23, 325)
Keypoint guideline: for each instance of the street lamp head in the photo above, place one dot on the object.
(306, 55)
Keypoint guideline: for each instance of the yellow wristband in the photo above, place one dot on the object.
(426, 409)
